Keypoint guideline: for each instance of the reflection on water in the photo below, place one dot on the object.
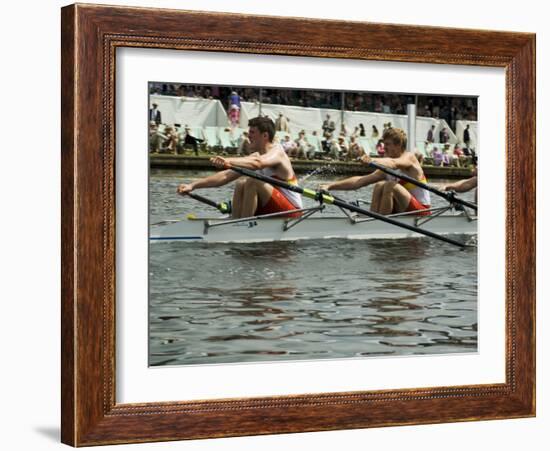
(224, 303)
(237, 303)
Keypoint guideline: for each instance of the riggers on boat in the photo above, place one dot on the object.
(357, 223)
(312, 225)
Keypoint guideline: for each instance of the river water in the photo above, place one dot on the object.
(227, 303)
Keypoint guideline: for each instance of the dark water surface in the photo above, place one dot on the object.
(223, 303)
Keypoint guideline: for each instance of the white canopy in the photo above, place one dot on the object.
(192, 111)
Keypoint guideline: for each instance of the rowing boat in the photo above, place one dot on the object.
(276, 228)
(358, 222)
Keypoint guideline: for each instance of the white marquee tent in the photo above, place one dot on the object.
(310, 119)
(190, 111)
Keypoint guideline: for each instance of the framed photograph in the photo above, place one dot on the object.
(266, 231)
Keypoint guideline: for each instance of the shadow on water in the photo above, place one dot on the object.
(273, 251)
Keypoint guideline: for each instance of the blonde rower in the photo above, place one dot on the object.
(391, 194)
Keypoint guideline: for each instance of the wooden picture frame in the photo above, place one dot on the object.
(90, 36)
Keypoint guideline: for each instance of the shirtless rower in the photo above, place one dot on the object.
(390, 194)
(251, 196)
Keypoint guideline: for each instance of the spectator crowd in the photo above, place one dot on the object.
(328, 143)
(449, 108)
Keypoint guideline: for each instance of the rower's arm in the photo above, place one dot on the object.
(403, 162)
(256, 161)
(463, 185)
(353, 183)
(219, 179)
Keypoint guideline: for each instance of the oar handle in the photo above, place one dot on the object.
(224, 207)
(450, 197)
(202, 199)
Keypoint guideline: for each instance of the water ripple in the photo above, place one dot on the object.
(305, 300)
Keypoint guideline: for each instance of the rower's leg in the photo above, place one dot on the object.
(395, 199)
(237, 202)
(255, 193)
(386, 198)
(401, 199)
(377, 196)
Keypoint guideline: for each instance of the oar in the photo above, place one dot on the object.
(325, 197)
(450, 196)
(224, 207)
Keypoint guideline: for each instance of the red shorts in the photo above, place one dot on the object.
(415, 205)
(277, 203)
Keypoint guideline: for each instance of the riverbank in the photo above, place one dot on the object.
(164, 161)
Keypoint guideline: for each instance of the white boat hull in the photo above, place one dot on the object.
(273, 229)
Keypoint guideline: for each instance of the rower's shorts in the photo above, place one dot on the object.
(277, 203)
(415, 205)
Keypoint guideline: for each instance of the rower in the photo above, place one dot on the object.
(392, 194)
(252, 196)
